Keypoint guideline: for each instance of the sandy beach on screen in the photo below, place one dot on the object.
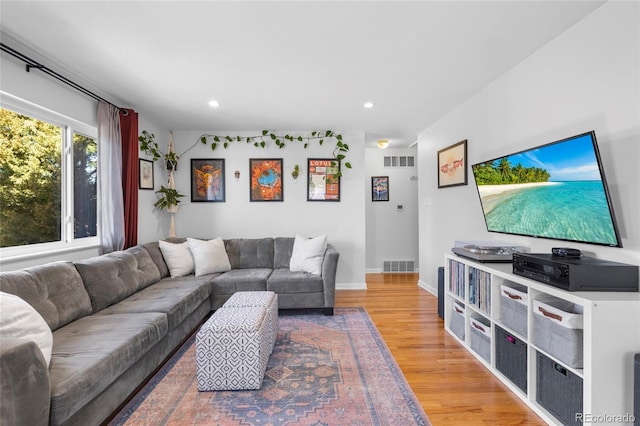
(491, 194)
(499, 189)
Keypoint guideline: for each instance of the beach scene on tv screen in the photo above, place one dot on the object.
(554, 191)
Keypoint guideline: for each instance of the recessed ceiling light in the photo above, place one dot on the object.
(214, 104)
(368, 104)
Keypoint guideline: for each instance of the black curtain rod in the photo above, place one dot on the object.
(30, 63)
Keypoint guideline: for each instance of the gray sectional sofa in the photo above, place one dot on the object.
(115, 318)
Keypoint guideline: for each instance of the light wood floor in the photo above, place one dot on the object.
(450, 384)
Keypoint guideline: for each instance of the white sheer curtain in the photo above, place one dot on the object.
(111, 218)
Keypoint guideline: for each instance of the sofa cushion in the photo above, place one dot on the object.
(282, 249)
(209, 256)
(254, 279)
(178, 258)
(55, 290)
(250, 253)
(308, 254)
(285, 281)
(90, 353)
(147, 272)
(112, 277)
(176, 297)
(156, 255)
(19, 320)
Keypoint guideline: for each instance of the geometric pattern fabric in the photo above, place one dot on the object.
(233, 346)
(263, 299)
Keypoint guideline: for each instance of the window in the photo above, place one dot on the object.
(48, 177)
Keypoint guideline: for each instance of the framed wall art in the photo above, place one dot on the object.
(452, 165)
(323, 179)
(266, 179)
(145, 179)
(380, 188)
(207, 180)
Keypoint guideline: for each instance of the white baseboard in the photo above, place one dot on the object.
(351, 286)
(373, 271)
(431, 289)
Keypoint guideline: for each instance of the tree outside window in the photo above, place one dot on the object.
(34, 199)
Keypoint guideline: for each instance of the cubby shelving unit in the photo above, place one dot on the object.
(611, 334)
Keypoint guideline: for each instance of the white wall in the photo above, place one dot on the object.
(237, 217)
(45, 91)
(392, 234)
(586, 79)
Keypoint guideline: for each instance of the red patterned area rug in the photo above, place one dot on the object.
(323, 371)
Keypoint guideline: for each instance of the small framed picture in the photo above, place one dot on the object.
(380, 188)
(452, 165)
(145, 174)
(323, 179)
(266, 179)
(207, 180)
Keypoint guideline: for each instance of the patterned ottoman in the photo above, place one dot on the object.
(233, 346)
(259, 299)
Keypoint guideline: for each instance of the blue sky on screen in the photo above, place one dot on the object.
(571, 160)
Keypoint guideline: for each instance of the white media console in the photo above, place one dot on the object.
(609, 339)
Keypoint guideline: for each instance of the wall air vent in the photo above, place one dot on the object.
(398, 266)
(399, 161)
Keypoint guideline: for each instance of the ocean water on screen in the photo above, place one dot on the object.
(574, 210)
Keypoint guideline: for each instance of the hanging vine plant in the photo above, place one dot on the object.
(150, 147)
(267, 136)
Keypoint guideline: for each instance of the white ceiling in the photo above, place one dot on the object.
(294, 65)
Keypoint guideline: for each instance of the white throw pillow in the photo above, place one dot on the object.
(19, 320)
(308, 254)
(209, 256)
(178, 258)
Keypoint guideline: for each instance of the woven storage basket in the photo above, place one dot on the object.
(511, 357)
(558, 390)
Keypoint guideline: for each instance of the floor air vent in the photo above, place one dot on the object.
(398, 266)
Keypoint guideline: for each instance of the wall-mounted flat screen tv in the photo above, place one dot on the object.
(556, 191)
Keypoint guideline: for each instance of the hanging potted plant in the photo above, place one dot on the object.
(296, 172)
(169, 199)
(171, 159)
